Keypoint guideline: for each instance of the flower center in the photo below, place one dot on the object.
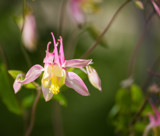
(53, 78)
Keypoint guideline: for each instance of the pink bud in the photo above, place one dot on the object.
(29, 35)
(94, 78)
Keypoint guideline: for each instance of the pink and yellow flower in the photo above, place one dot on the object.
(55, 73)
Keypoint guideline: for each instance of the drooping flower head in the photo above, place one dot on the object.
(154, 120)
(55, 73)
(156, 5)
(78, 8)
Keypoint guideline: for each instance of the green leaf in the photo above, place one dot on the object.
(94, 33)
(114, 111)
(136, 96)
(6, 92)
(28, 101)
(61, 99)
(123, 99)
(14, 74)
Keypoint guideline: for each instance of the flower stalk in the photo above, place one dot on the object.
(94, 45)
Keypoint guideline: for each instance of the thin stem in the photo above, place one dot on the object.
(24, 8)
(27, 58)
(138, 46)
(153, 73)
(61, 17)
(4, 58)
(137, 115)
(57, 119)
(30, 127)
(21, 43)
(94, 45)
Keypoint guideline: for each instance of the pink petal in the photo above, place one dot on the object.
(46, 94)
(76, 11)
(155, 110)
(94, 78)
(146, 131)
(32, 74)
(17, 85)
(77, 63)
(75, 82)
(56, 57)
(61, 52)
(156, 7)
(49, 56)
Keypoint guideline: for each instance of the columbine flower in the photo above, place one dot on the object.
(79, 7)
(154, 121)
(55, 74)
(156, 4)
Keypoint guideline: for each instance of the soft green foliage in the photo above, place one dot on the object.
(28, 101)
(6, 92)
(128, 102)
(14, 74)
(94, 33)
(61, 99)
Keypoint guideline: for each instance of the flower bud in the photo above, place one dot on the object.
(29, 35)
(94, 78)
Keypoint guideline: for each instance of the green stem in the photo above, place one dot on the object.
(4, 58)
(94, 45)
(34, 107)
(61, 17)
(138, 46)
(21, 43)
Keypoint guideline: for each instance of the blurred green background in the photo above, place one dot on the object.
(83, 116)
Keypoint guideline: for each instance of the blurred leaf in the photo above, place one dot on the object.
(61, 99)
(123, 99)
(27, 101)
(14, 74)
(137, 97)
(114, 111)
(139, 126)
(94, 33)
(6, 92)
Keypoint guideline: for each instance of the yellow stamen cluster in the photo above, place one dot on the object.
(53, 78)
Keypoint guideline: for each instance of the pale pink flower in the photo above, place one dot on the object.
(55, 74)
(154, 121)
